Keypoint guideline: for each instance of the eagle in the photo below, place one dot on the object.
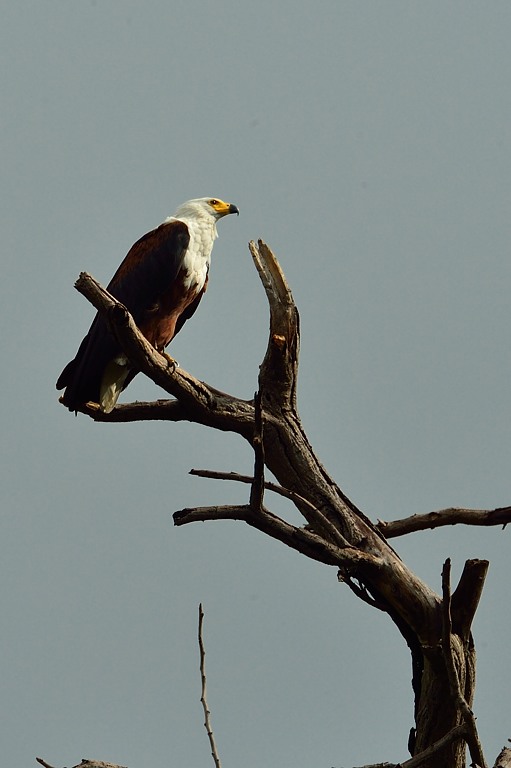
(161, 282)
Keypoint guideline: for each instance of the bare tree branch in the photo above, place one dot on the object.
(207, 713)
(279, 367)
(302, 540)
(248, 479)
(458, 732)
(158, 410)
(200, 402)
(84, 764)
(448, 645)
(466, 596)
(313, 516)
(449, 516)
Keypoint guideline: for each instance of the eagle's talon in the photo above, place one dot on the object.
(170, 360)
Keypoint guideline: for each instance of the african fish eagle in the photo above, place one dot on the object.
(161, 282)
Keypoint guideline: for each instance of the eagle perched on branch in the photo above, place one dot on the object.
(161, 282)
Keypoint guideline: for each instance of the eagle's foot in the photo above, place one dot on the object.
(171, 363)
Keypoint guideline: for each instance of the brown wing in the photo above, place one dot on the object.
(149, 270)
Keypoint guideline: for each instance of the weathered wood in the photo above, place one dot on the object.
(443, 517)
(504, 759)
(84, 764)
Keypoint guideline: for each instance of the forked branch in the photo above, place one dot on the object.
(302, 540)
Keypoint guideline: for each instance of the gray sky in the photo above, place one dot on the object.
(369, 144)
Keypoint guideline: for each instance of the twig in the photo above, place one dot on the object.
(472, 738)
(43, 762)
(458, 732)
(448, 516)
(212, 474)
(311, 513)
(207, 713)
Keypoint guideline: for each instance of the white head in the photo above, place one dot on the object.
(205, 208)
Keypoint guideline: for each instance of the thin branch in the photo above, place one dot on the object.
(84, 764)
(302, 540)
(472, 738)
(311, 513)
(456, 733)
(207, 713)
(389, 575)
(448, 516)
(123, 413)
(248, 479)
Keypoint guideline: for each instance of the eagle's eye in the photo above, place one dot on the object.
(213, 202)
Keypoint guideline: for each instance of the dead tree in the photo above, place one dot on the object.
(437, 628)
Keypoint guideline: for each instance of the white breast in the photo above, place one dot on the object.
(198, 254)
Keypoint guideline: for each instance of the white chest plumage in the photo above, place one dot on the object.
(198, 254)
